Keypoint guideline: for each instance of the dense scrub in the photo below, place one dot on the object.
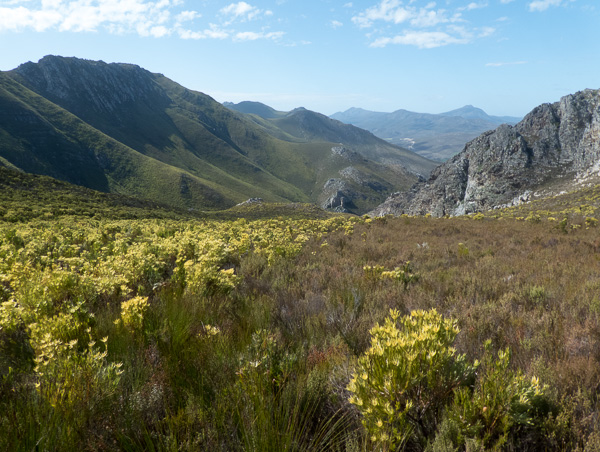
(262, 335)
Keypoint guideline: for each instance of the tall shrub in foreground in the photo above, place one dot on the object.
(405, 379)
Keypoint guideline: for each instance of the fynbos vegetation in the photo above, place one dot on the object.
(339, 334)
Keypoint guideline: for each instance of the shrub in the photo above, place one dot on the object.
(407, 376)
(501, 402)
(132, 313)
(404, 275)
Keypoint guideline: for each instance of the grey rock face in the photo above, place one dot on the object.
(553, 145)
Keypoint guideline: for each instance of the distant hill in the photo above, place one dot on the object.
(435, 136)
(471, 112)
(119, 128)
(553, 150)
(255, 108)
(307, 125)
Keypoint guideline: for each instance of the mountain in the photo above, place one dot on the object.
(471, 112)
(254, 108)
(306, 125)
(119, 128)
(555, 148)
(435, 136)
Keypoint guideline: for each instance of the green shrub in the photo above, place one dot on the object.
(407, 376)
(404, 275)
(501, 402)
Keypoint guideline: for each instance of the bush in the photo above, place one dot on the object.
(502, 402)
(403, 382)
(132, 313)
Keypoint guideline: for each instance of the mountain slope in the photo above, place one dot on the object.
(555, 148)
(305, 125)
(437, 137)
(39, 137)
(119, 128)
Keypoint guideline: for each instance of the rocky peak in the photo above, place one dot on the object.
(83, 84)
(555, 145)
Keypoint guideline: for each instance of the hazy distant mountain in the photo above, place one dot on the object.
(119, 128)
(471, 112)
(554, 148)
(435, 136)
(255, 108)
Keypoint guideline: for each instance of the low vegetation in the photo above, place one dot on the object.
(170, 332)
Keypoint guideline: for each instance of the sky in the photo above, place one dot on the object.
(504, 56)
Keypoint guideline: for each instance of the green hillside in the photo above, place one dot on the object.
(119, 128)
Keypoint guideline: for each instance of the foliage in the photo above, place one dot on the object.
(407, 376)
(501, 402)
(261, 359)
(132, 313)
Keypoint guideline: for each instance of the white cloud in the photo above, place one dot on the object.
(393, 11)
(543, 5)
(241, 10)
(253, 36)
(425, 27)
(506, 2)
(484, 32)
(214, 32)
(510, 63)
(147, 18)
(471, 6)
(336, 24)
(421, 39)
(13, 2)
(386, 10)
(429, 18)
(89, 15)
(186, 16)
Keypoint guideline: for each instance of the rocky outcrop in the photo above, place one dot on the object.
(339, 196)
(556, 146)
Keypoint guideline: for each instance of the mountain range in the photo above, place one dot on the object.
(554, 149)
(435, 136)
(118, 128)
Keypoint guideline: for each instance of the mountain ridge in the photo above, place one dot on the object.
(435, 136)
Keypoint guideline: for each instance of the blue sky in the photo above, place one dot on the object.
(505, 56)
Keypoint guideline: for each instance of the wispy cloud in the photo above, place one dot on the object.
(509, 63)
(543, 5)
(253, 36)
(336, 24)
(422, 25)
(240, 11)
(421, 39)
(213, 32)
(146, 18)
(471, 6)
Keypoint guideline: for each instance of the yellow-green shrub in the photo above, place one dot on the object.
(407, 376)
(132, 313)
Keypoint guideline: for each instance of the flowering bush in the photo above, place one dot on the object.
(132, 313)
(407, 376)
